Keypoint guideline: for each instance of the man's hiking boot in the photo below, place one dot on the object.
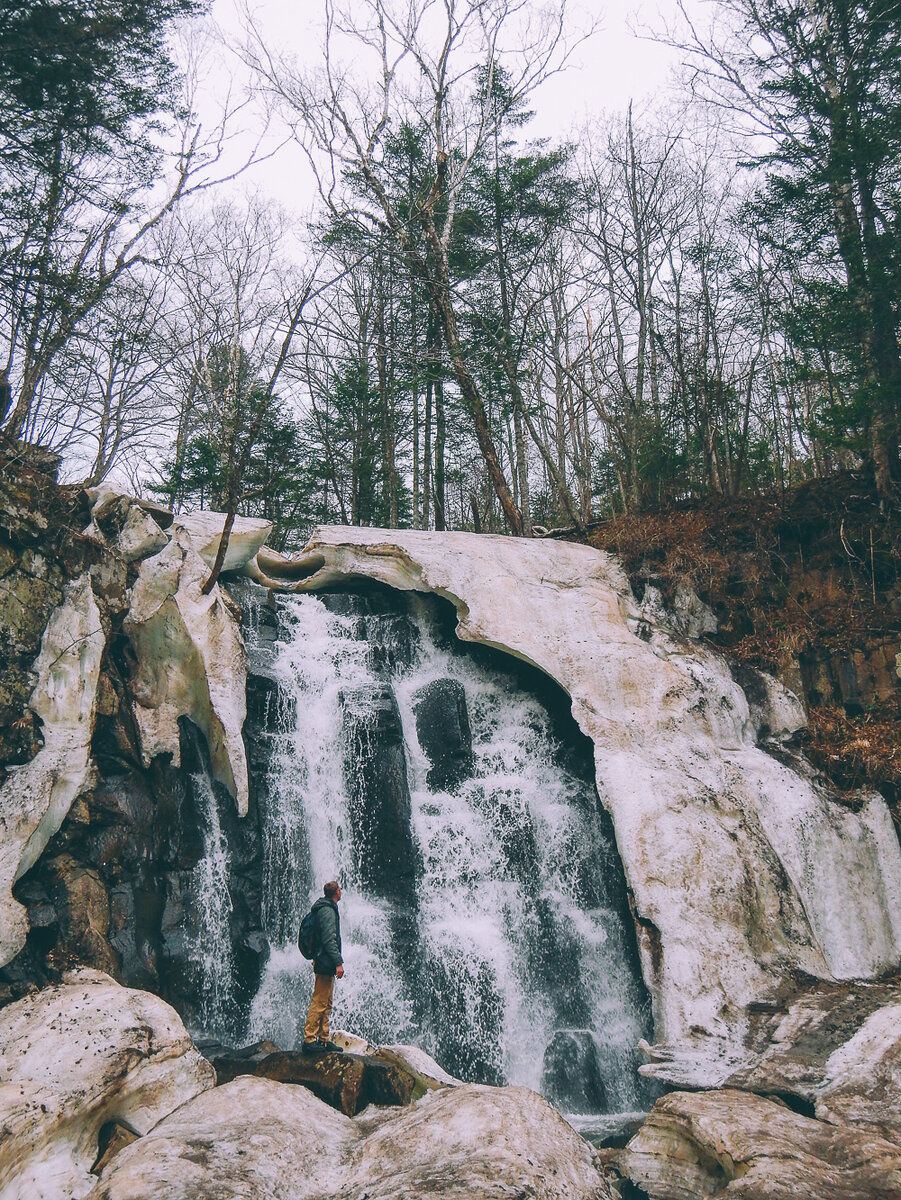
(311, 1048)
(330, 1046)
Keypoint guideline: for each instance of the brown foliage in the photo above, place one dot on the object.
(813, 580)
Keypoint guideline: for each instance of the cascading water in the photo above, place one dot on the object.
(209, 938)
(483, 913)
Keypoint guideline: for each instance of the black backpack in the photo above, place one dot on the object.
(308, 937)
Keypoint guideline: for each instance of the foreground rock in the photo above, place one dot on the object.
(257, 1140)
(75, 1061)
(744, 1146)
(744, 871)
(346, 1082)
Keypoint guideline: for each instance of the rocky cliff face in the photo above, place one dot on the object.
(768, 915)
(122, 685)
(734, 859)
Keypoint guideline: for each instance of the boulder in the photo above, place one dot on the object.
(393, 641)
(836, 1048)
(347, 1082)
(190, 663)
(380, 807)
(474, 1140)
(229, 1063)
(571, 1072)
(249, 1140)
(257, 1140)
(743, 872)
(37, 795)
(696, 1145)
(443, 732)
(429, 1075)
(75, 1058)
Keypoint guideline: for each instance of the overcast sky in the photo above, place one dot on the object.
(616, 65)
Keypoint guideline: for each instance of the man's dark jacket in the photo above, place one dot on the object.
(328, 927)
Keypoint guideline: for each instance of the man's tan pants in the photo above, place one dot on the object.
(320, 1007)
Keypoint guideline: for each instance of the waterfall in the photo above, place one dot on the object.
(209, 938)
(483, 912)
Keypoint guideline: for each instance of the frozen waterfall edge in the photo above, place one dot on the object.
(743, 872)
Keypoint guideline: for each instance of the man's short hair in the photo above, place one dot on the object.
(331, 889)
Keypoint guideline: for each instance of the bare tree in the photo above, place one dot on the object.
(415, 63)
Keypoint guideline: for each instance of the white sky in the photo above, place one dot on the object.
(615, 66)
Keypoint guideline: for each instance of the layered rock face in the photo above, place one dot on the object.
(743, 871)
(132, 669)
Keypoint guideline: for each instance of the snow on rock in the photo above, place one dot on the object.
(862, 1079)
(73, 1058)
(37, 795)
(127, 524)
(837, 1047)
(140, 536)
(742, 870)
(205, 530)
(695, 1145)
(253, 1139)
(775, 711)
(475, 1141)
(421, 1064)
(190, 662)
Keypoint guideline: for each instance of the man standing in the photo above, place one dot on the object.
(327, 965)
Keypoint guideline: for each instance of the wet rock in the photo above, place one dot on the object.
(375, 769)
(335, 1078)
(571, 1072)
(135, 917)
(82, 908)
(696, 1145)
(442, 728)
(229, 1063)
(393, 641)
(428, 1074)
(347, 1082)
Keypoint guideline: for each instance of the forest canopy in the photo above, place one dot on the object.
(475, 328)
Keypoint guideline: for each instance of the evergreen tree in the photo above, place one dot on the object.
(822, 80)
